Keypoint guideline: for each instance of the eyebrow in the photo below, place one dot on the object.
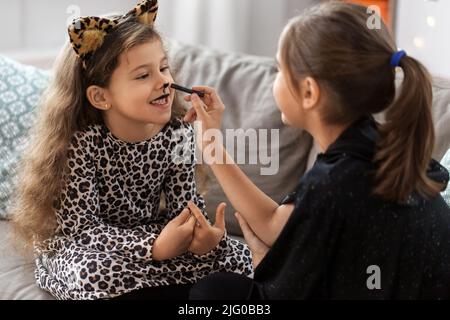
(148, 64)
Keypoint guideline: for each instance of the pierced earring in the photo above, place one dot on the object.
(106, 106)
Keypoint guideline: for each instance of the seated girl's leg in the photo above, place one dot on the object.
(225, 286)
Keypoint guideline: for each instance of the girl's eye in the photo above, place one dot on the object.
(164, 69)
(144, 76)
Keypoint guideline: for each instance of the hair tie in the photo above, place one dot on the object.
(396, 57)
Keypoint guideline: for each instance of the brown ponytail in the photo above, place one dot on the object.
(407, 138)
(332, 43)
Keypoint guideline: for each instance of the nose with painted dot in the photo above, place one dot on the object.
(165, 86)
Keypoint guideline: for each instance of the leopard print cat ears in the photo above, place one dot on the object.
(87, 33)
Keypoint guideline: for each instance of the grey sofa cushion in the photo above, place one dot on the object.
(245, 85)
(16, 271)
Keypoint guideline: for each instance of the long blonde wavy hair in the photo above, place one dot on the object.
(63, 110)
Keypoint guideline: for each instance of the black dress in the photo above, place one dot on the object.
(342, 242)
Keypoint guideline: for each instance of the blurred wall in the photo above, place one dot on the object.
(247, 26)
(423, 30)
(32, 31)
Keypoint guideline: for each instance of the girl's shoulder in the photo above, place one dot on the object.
(179, 125)
(346, 173)
(87, 137)
(178, 129)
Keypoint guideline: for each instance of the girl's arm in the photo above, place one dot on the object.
(265, 216)
(179, 183)
(259, 248)
(180, 189)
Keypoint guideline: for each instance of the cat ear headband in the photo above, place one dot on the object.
(87, 33)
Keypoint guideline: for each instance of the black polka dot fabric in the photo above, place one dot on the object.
(343, 242)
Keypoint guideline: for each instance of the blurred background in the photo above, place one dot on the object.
(32, 31)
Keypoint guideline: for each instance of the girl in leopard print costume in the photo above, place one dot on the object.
(109, 141)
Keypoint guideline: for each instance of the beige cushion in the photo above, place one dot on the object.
(441, 118)
(17, 280)
(245, 86)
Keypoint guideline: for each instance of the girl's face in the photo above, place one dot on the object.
(288, 104)
(139, 92)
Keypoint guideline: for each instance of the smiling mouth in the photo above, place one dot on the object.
(162, 100)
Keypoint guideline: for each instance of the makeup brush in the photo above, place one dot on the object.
(187, 90)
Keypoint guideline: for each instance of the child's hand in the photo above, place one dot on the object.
(259, 249)
(175, 238)
(207, 237)
(208, 110)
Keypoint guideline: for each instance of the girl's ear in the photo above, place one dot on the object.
(310, 93)
(97, 96)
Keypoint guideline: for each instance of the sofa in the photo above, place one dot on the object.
(245, 85)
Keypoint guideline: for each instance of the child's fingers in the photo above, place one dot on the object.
(189, 225)
(190, 115)
(199, 107)
(182, 217)
(220, 216)
(191, 222)
(189, 99)
(210, 94)
(198, 214)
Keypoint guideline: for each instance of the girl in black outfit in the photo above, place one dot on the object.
(367, 221)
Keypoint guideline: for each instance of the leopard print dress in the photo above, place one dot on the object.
(108, 217)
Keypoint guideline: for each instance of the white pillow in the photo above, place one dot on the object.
(446, 163)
